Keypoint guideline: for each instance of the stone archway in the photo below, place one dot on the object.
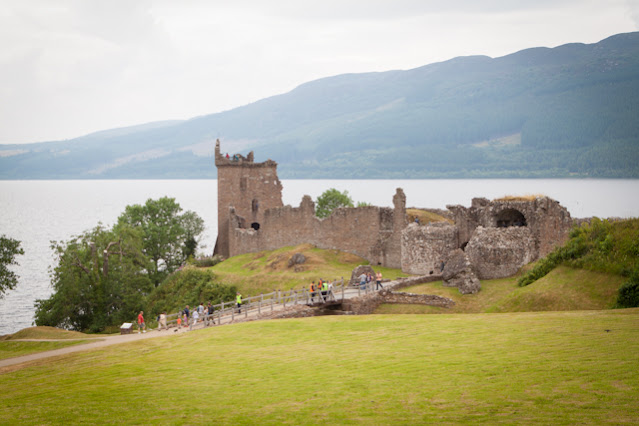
(510, 217)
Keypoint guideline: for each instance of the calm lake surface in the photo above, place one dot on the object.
(36, 212)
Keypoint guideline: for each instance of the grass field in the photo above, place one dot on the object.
(564, 289)
(543, 367)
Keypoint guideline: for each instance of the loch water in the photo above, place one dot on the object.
(37, 212)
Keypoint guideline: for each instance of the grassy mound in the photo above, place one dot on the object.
(44, 332)
(541, 368)
(424, 216)
(262, 272)
(563, 289)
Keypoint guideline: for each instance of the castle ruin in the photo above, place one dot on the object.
(496, 237)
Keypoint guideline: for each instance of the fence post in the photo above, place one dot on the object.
(259, 304)
(295, 301)
(342, 289)
(284, 300)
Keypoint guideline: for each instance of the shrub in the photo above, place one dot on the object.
(628, 296)
(190, 286)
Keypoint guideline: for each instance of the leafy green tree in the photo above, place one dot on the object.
(193, 228)
(100, 280)
(9, 249)
(169, 236)
(330, 200)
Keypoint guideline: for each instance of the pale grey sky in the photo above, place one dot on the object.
(72, 67)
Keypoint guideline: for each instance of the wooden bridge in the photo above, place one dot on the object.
(270, 303)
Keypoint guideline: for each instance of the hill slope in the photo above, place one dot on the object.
(566, 111)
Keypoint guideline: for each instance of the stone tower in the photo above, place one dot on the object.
(247, 187)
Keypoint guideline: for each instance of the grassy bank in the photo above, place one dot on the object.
(564, 289)
(572, 367)
(262, 272)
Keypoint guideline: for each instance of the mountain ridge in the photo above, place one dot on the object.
(567, 111)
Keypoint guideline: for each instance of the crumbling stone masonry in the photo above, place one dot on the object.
(499, 236)
(250, 188)
(251, 217)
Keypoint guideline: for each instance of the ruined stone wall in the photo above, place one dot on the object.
(500, 252)
(366, 305)
(367, 231)
(250, 188)
(548, 221)
(424, 247)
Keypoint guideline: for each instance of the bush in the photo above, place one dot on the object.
(629, 292)
(603, 246)
(190, 286)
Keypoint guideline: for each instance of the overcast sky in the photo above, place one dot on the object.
(68, 68)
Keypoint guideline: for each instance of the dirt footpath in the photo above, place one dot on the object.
(98, 343)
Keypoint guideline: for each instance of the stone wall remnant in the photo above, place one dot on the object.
(425, 247)
(500, 252)
(458, 272)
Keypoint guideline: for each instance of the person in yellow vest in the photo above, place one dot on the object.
(324, 289)
(238, 302)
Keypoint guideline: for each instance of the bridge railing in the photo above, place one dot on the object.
(266, 303)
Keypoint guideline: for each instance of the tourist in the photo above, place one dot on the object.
(200, 309)
(187, 314)
(378, 281)
(196, 316)
(141, 324)
(324, 290)
(238, 302)
(312, 291)
(209, 313)
(362, 281)
(162, 322)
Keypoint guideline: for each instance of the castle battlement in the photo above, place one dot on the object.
(238, 160)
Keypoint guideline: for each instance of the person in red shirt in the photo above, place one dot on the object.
(141, 324)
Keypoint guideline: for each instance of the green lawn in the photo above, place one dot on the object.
(531, 368)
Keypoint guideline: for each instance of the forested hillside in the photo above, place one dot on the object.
(566, 111)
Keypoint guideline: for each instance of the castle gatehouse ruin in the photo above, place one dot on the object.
(496, 237)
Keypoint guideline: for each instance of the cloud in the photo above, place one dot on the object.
(633, 11)
(70, 67)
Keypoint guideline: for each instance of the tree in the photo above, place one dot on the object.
(193, 227)
(168, 236)
(9, 249)
(330, 200)
(100, 280)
